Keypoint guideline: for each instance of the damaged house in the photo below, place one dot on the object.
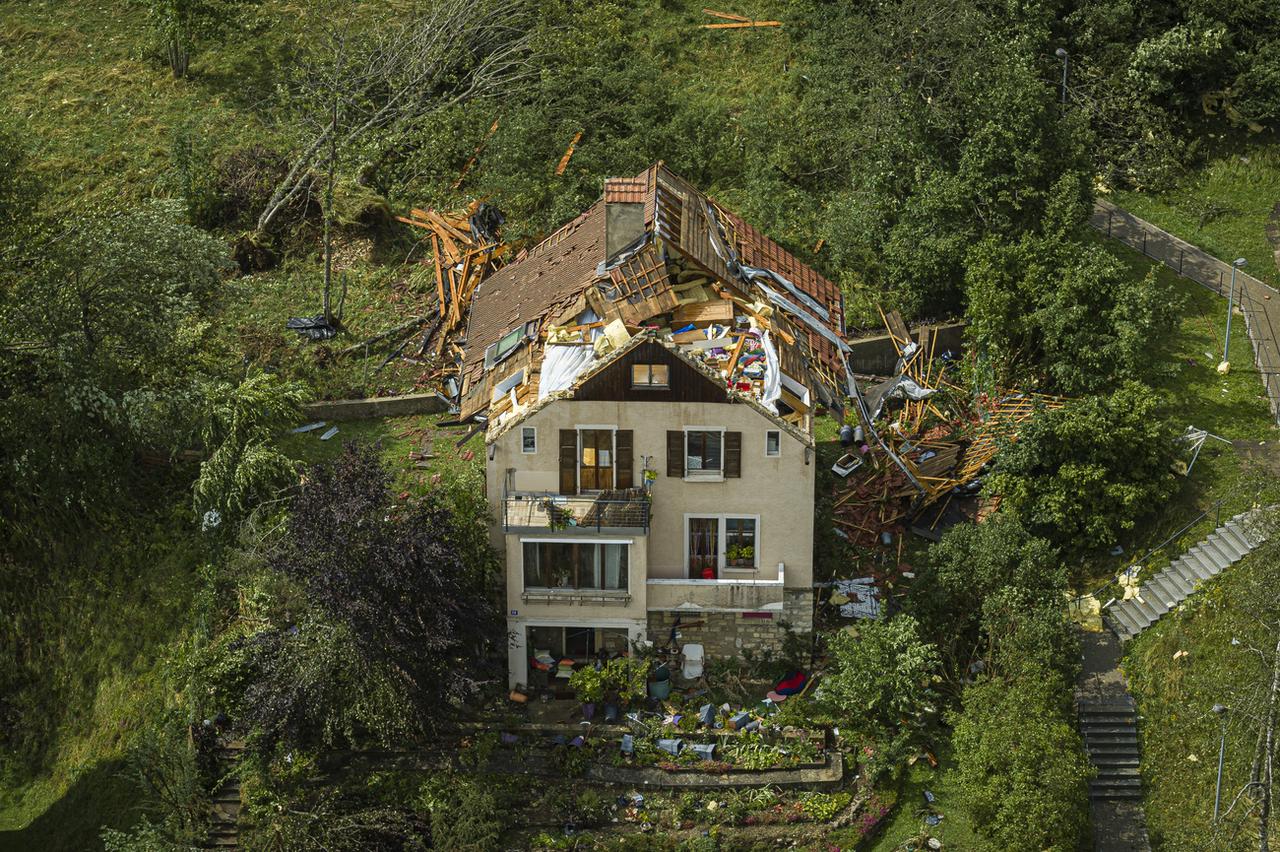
(648, 377)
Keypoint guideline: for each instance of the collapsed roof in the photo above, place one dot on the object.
(657, 258)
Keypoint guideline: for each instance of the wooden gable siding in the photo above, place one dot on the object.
(685, 384)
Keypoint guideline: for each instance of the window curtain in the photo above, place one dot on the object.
(614, 566)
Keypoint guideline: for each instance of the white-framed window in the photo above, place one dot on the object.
(646, 376)
(773, 443)
(575, 564)
(716, 543)
(528, 439)
(703, 453)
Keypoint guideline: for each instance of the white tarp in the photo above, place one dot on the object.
(772, 375)
(561, 364)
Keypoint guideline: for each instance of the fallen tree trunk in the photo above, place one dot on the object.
(383, 335)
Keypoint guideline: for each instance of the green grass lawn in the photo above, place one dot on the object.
(1222, 207)
(907, 820)
(1180, 734)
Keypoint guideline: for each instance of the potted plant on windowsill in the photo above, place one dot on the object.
(740, 556)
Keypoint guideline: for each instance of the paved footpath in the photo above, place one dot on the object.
(1259, 302)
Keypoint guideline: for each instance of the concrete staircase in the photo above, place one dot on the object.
(1227, 544)
(1110, 731)
(224, 822)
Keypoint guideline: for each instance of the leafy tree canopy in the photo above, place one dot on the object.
(1056, 311)
(1023, 775)
(1083, 474)
(396, 623)
(881, 674)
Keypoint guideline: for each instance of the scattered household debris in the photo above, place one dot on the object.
(737, 22)
(922, 440)
(315, 328)
(1195, 439)
(310, 427)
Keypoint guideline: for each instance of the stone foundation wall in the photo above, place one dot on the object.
(727, 634)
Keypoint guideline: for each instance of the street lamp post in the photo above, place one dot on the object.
(1221, 712)
(1238, 263)
(1061, 53)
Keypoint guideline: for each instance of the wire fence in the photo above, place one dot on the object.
(1259, 302)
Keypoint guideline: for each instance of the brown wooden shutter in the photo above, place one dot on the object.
(733, 454)
(675, 454)
(568, 461)
(622, 445)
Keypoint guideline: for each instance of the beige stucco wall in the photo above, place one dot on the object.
(778, 490)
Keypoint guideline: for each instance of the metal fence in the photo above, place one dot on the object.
(1259, 302)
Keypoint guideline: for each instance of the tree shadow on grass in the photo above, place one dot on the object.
(102, 797)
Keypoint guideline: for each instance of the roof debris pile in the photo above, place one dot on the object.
(465, 248)
(936, 445)
(654, 260)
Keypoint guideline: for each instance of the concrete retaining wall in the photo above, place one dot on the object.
(368, 409)
(878, 357)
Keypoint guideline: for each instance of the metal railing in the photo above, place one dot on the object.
(608, 510)
(1195, 264)
(1107, 592)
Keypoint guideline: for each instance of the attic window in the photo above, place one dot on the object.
(508, 343)
(649, 375)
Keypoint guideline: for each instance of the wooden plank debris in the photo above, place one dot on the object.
(568, 153)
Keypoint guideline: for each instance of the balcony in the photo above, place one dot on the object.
(624, 511)
(732, 595)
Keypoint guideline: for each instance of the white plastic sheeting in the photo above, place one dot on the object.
(772, 375)
(561, 364)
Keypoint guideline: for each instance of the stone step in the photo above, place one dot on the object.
(1175, 586)
(1181, 573)
(1108, 717)
(1103, 761)
(1146, 613)
(1113, 771)
(1236, 535)
(1227, 547)
(1115, 706)
(1102, 728)
(1152, 602)
(1217, 558)
(1111, 739)
(1116, 625)
(1193, 563)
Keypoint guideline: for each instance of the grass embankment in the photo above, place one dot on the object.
(103, 637)
(121, 631)
(1233, 407)
(1222, 207)
(1178, 669)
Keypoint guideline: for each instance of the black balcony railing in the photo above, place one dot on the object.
(606, 510)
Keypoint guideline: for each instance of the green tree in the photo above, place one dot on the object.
(1023, 774)
(881, 675)
(969, 566)
(947, 142)
(99, 325)
(179, 24)
(238, 428)
(1083, 474)
(1057, 312)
